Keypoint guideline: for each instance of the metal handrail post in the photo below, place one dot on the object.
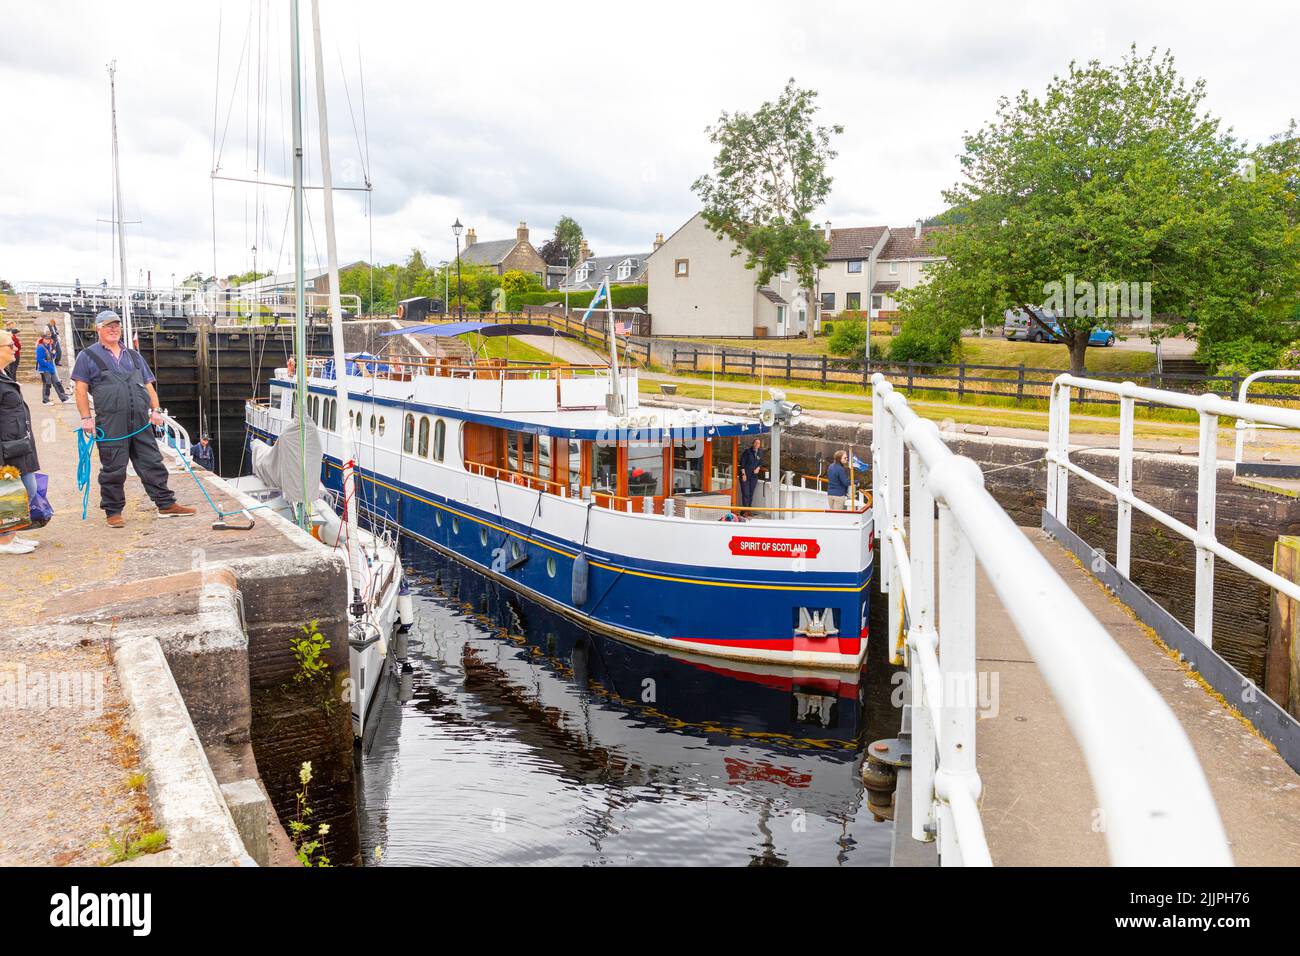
(1207, 480)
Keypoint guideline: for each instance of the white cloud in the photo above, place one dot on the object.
(525, 112)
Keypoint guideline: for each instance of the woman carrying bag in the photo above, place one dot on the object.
(17, 453)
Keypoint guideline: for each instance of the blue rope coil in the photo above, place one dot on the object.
(85, 442)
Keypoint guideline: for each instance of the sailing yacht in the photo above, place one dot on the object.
(286, 474)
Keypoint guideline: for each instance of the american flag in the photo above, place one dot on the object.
(622, 328)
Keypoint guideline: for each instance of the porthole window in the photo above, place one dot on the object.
(550, 567)
(482, 536)
(455, 525)
(373, 422)
(408, 433)
(437, 518)
(424, 436)
(381, 425)
(516, 550)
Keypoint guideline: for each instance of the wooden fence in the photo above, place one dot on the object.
(1019, 383)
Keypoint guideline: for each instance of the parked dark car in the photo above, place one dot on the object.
(1018, 327)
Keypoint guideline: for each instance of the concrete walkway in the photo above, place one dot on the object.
(565, 350)
(1038, 805)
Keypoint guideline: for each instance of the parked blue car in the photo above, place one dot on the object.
(1018, 327)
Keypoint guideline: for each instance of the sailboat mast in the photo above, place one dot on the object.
(300, 318)
(127, 330)
(351, 502)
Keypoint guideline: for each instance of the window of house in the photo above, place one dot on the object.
(853, 300)
(828, 301)
(682, 267)
(855, 265)
(408, 433)
(876, 302)
(780, 317)
(624, 270)
(439, 439)
(423, 446)
(580, 274)
(893, 268)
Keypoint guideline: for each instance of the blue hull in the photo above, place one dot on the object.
(741, 613)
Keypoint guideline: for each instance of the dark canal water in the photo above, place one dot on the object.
(519, 738)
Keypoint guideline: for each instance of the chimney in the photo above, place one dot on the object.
(828, 230)
(584, 251)
(917, 233)
(521, 234)
(659, 239)
(470, 238)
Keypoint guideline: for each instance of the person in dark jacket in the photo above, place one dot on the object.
(11, 367)
(837, 480)
(17, 443)
(204, 454)
(49, 371)
(751, 466)
(126, 403)
(56, 343)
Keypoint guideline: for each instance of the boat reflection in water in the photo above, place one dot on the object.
(518, 738)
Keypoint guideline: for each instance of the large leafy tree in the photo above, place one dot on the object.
(769, 175)
(1114, 174)
(565, 244)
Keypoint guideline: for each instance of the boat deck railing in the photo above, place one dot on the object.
(409, 369)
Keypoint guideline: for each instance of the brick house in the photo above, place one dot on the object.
(505, 255)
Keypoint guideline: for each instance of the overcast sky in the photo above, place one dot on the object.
(496, 113)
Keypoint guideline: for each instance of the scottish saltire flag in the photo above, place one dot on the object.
(596, 299)
(860, 465)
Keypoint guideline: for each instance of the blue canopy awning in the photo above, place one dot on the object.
(442, 329)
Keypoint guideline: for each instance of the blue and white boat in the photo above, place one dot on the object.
(555, 481)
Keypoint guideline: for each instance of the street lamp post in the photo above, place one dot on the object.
(566, 292)
(456, 228)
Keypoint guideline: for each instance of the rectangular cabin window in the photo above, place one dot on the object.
(408, 433)
(645, 469)
(512, 451)
(528, 454)
(604, 467)
(721, 472)
(688, 466)
(575, 467)
(544, 457)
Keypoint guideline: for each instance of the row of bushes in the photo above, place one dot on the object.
(625, 297)
(912, 344)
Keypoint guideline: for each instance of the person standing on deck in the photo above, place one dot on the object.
(837, 481)
(120, 382)
(751, 464)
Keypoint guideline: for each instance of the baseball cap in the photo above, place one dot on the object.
(105, 317)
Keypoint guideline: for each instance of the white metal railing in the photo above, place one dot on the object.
(175, 439)
(1245, 429)
(1155, 799)
(1210, 408)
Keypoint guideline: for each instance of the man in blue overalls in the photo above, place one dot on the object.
(120, 382)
